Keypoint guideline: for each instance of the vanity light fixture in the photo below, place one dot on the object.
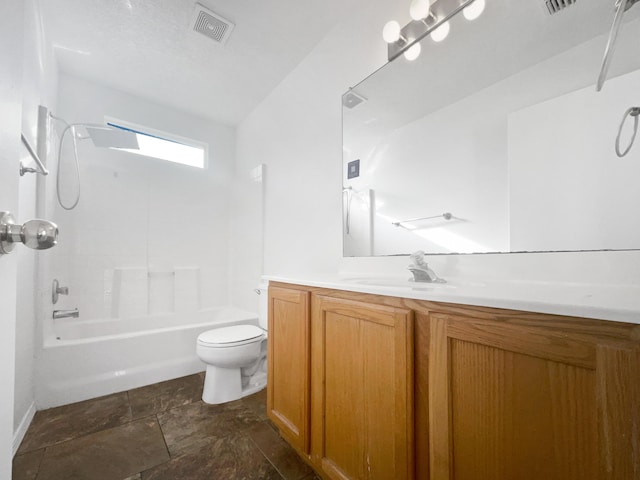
(427, 19)
(413, 52)
(440, 33)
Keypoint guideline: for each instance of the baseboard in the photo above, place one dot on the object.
(19, 434)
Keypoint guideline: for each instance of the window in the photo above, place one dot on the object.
(164, 146)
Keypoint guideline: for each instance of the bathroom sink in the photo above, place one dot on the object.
(397, 282)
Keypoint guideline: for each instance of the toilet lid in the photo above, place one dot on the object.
(227, 335)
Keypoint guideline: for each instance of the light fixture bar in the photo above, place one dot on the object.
(416, 30)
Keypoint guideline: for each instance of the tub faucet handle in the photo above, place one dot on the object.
(56, 290)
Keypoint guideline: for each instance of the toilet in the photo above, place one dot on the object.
(235, 358)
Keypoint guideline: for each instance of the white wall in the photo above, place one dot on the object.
(138, 214)
(296, 131)
(11, 42)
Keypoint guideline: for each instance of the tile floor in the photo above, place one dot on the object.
(158, 432)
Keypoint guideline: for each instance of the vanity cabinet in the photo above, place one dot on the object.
(362, 389)
(511, 400)
(288, 360)
(400, 389)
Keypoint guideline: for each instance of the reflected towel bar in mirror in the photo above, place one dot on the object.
(446, 216)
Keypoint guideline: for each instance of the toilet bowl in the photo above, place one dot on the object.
(235, 358)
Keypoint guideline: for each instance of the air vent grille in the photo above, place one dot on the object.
(554, 6)
(211, 25)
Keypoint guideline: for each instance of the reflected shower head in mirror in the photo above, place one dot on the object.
(107, 137)
(621, 7)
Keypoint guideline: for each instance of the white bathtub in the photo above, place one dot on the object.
(86, 359)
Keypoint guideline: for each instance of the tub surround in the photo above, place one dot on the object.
(586, 300)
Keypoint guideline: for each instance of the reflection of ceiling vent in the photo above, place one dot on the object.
(213, 26)
(352, 99)
(554, 6)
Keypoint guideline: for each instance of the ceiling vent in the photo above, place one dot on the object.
(212, 25)
(554, 6)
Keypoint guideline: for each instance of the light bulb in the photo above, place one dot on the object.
(419, 9)
(474, 10)
(391, 31)
(413, 52)
(440, 33)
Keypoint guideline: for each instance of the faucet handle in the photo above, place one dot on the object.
(418, 259)
(56, 290)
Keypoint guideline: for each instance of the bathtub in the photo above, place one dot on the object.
(83, 359)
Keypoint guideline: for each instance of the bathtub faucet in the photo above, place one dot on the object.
(66, 313)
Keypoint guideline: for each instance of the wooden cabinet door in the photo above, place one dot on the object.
(288, 365)
(510, 401)
(362, 374)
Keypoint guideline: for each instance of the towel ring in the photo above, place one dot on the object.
(633, 112)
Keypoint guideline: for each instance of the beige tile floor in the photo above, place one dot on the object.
(158, 432)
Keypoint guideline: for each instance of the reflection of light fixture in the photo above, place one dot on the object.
(474, 10)
(428, 19)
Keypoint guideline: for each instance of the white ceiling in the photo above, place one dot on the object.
(148, 48)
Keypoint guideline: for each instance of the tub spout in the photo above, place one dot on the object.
(66, 313)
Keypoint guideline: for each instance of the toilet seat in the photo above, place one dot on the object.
(231, 336)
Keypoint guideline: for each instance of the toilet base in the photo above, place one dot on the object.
(223, 385)
(256, 383)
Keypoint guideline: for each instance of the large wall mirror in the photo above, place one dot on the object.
(495, 140)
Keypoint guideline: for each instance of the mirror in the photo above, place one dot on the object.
(495, 139)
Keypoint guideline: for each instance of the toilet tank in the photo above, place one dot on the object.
(263, 305)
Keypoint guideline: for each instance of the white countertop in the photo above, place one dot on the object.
(606, 302)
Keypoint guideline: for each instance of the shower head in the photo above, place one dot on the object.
(108, 137)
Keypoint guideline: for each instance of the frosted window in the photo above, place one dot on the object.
(164, 146)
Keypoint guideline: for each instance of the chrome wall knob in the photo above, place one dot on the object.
(37, 234)
(57, 290)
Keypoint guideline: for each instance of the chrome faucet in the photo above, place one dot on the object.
(421, 271)
(66, 313)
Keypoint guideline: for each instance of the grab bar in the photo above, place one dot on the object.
(446, 216)
(41, 168)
